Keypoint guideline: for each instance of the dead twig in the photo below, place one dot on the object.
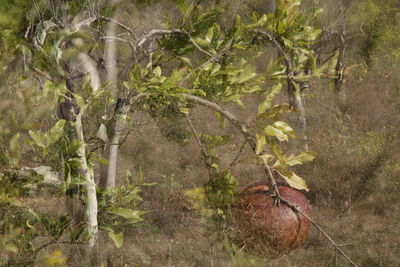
(153, 33)
(238, 155)
(201, 145)
(128, 29)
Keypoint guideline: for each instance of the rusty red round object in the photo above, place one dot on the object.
(265, 229)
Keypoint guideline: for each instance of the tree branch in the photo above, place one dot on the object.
(123, 26)
(201, 145)
(153, 33)
(248, 137)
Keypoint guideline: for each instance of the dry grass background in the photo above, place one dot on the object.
(354, 180)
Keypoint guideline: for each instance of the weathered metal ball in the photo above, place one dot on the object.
(262, 228)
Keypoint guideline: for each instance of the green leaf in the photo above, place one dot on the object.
(157, 71)
(126, 213)
(260, 22)
(284, 127)
(303, 157)
(314, 33)
(266, 104)
(260, 143)
(221, 119)
(287, 43)
(117, 238)
(184, 110)
(292, 179)
(275, 132)
(79, 101)
(209, 34)
(106, 228)
(74, 236)
(56, 132)
(201, 42)
(14, 142)
(186, 61)
(266, 158)
(38, 138)
(274, 111)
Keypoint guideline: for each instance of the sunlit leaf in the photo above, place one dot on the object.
(209, 34)
(293, 179)
(266, 157)
(126, 213)
(303, 157)
(284, 127)
(275, 132)
(56, 132)
(38, 138)
(117, 238)
(260, 143)
(157, 71)
(266, 104)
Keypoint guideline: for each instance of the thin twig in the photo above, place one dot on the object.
(113, 38)
(119, 24)
(198, 46)
(238, 155)
(201, 145)
(337, 247)
(276, 43)
(153, 33)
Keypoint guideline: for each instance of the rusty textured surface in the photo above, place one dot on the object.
(264, 229)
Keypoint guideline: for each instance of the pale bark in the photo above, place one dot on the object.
(108, 172)
(87, 173)
(89, 65)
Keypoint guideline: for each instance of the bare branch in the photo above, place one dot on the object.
(113, 38)
(201, 146)
(317, 225)
(119, 24)
(84, 23)
(238, 155)
(154, 33)
(198, 47)
(277, 44)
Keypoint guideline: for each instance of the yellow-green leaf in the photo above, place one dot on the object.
(117, 238)
(284, 127)
(293, 179)
(275, 132)
(303, 157)
(209, 34)
(260, 143)
(266, 104)
(266, 157)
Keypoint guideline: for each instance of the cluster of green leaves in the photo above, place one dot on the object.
(14, 183)
(19, 224)
(118, 209)
(221, 192)
(16, 233)
(53, 227)
(289, 30)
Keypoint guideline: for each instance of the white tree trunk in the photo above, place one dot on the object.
(108, 178)
(87, 173)
(108, 172)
